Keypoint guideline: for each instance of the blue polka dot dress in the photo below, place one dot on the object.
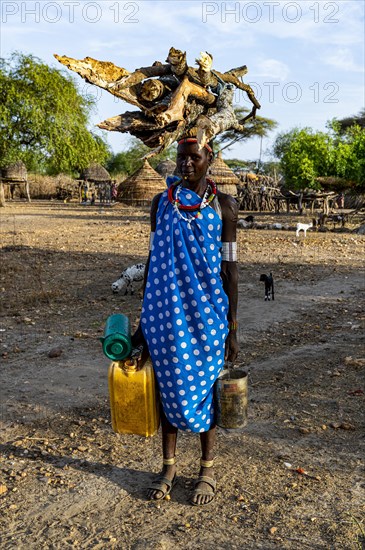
(184, 312)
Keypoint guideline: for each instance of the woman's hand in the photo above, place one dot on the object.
(139, 346)
(138, 339)
(232, 347)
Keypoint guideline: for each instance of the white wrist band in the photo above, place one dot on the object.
(229, 252)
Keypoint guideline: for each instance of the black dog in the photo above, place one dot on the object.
(269, 286)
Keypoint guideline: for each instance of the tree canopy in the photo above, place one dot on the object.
(306, 155)
(345, 123)
(349, 148)
(43, 118)
(258, 126)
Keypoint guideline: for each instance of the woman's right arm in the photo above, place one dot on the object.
(137, 337)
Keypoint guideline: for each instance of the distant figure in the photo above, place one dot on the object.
(262, 197)
(101, 194)
(341, 201)
(108, 193)
(12, 190)
(114, 192)
(84, 192)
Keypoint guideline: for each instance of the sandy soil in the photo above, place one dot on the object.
(67, 481)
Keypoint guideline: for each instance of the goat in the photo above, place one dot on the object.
(134, 273)
(246, 222)
(269, 286)
(338, 218)
(320, 221)
(303, 227)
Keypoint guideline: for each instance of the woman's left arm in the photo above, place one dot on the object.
(229, 271)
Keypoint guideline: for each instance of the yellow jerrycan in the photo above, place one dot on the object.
(133, 398)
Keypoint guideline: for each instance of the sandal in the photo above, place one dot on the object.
(162, 483)
(204, 479)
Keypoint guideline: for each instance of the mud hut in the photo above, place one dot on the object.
(95, 180)
(16, 175)
(140, 188)
(223, 176)
(166, 168)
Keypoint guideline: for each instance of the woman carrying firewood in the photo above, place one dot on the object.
(188, 317)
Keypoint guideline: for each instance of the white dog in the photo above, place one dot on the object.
(303, 227)
(132, 274)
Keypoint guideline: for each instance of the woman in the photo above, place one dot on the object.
(189, 308)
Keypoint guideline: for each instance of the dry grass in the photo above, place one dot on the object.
(25, 279)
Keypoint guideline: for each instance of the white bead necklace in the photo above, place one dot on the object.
(204, 203)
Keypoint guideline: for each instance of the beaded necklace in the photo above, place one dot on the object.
(208, 196)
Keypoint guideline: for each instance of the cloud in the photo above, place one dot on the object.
(273, 69)
(342, 59)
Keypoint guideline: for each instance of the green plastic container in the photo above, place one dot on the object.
(117, 344)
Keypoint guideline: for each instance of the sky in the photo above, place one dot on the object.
(305, 58)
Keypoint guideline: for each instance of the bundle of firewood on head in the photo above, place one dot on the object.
(174, 99)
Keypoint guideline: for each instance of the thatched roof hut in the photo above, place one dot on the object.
(223, 176)
(142, 186)
(334, 183)
(15, 173)
(166, 168)
(95, 173)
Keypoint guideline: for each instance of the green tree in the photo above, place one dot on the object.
(43, 118)
(349, 141)
(349, 158)
(271, 168)
(356, 120)
(259, 126)
(304, 155)
(235, 164)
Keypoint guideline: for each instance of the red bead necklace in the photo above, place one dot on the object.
(191, 207)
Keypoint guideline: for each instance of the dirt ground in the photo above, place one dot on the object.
(293, 478)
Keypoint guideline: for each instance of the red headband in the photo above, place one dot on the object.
(194, 140)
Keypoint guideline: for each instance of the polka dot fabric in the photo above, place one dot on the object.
(184, 313)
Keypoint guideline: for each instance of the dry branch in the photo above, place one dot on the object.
(101, 73)
(171, 97)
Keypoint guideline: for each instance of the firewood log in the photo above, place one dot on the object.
(102, 74)
(179, 101)
(222, 120)
(170, 96)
